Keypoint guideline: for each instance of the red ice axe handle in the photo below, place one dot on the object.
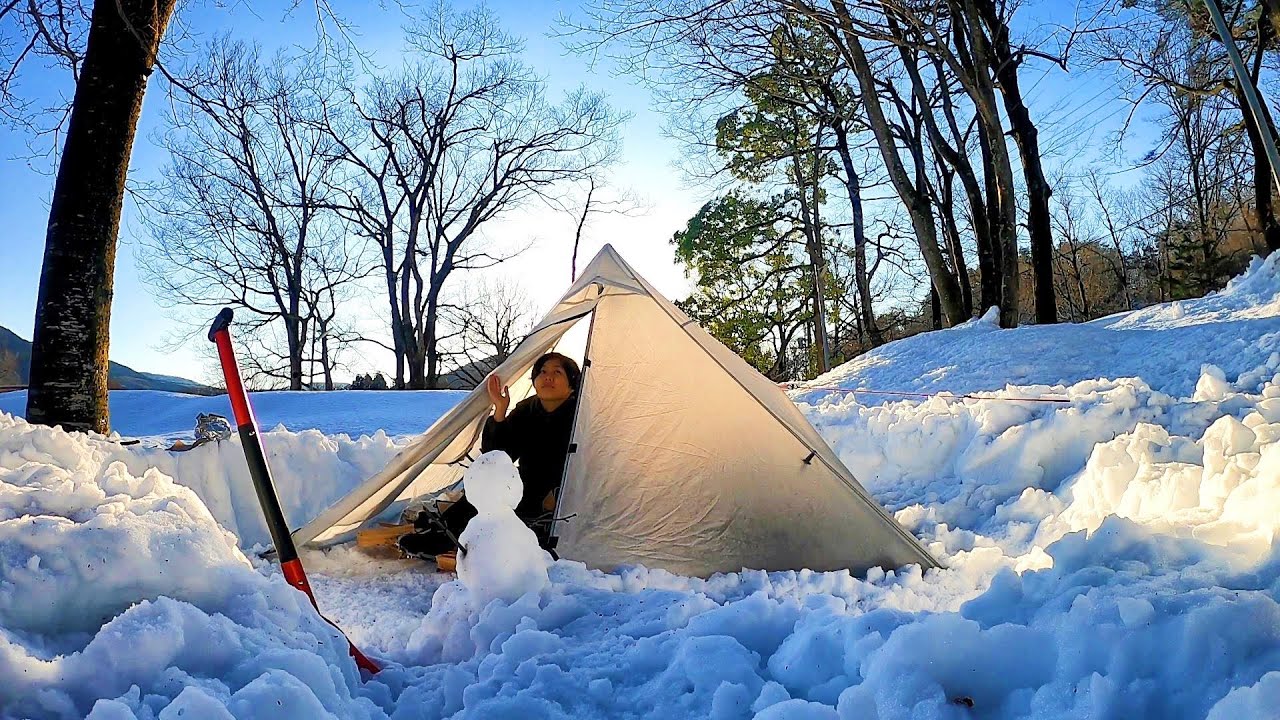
(260, 472)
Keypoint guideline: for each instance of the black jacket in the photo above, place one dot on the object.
(539, 440)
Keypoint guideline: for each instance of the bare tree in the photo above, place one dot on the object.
(1078, 236)
(110, 49)
(46, 32)
(810, 77)
(243, 215)
(1119, 215)
(940, 29)
(491, 319)
(989, 19)
(1164, 49)
(599, 199)
(721, 60)
(846, 35)
(464, 135)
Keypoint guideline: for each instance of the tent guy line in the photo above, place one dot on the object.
(944, 396)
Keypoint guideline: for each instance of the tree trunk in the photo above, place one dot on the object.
(862, 281)
(990, 252)
(298, 340)
(981, 90)
(1263, 202)
(414, 359)
(326, 364)
(917, 205)
(1005, 68)
(959, 164)
(577, 236)
(954, 244)
(979, 214)
(819, 307)
(397, 322)
(294, 335)
(1078, 276)
(69, 346)
(813, 247)
(431, 353)
(409, 325)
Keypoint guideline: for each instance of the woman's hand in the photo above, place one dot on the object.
(499, 395)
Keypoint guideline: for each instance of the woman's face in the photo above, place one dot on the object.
(552, 384)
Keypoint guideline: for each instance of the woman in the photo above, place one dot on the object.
(535, 433)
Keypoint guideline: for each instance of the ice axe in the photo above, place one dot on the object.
(286, 553)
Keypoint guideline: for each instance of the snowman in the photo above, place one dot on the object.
(502, 558)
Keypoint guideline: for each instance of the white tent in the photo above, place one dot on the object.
(683, 456)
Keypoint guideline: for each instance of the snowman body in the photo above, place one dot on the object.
(502, 558)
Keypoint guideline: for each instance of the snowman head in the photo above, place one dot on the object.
(492, 483)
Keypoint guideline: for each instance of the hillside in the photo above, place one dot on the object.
(15, 367)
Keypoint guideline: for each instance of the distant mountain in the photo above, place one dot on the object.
(15, 367)
(468, 376)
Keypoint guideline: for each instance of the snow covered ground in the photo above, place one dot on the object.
(1112, 556)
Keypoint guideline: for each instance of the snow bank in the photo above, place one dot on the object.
(1125, 624)
(120, 596)
(312, 469)
(1165, 346)
(311, 472)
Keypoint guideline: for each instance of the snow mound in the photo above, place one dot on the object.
(1252, 295)
(71, 518)
(311, 472)
(120, 596)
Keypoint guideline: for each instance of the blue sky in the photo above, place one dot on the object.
(1080, 107)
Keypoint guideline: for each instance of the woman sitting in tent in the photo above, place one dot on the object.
(536, 434)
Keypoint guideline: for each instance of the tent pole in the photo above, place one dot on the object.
(577, 419)
(1250, 91)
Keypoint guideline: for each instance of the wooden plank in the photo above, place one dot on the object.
(383, 536)
(447, 562)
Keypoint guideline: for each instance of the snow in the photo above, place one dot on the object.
(1113, 555)
(114, 582)
(501, 558)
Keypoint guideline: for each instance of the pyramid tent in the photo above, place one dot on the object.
(683, 457)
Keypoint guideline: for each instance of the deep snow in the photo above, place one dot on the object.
(1111, 556)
